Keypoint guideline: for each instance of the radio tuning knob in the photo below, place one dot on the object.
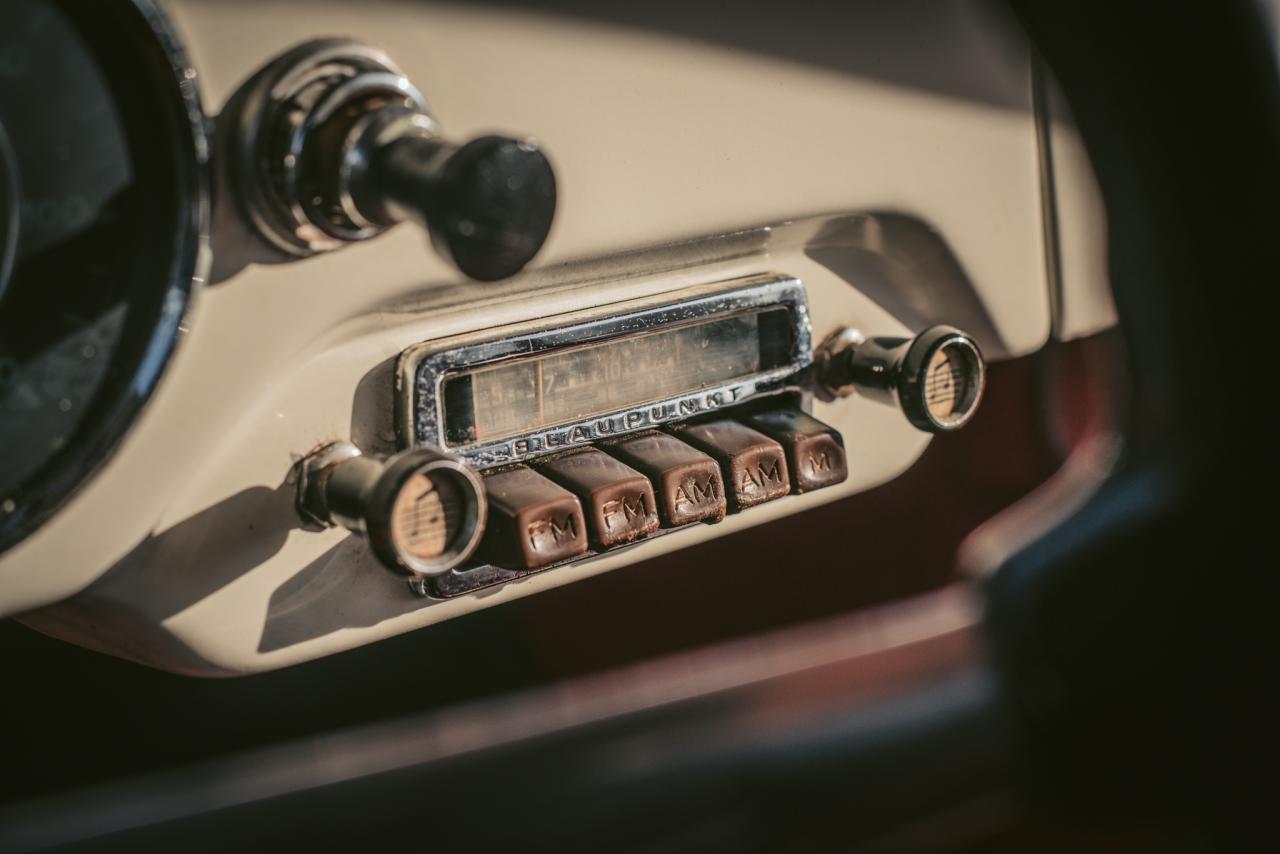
(332, 144)
(936, 378)
(422, 511)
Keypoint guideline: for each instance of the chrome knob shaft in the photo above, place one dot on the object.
(422, 511)
(937, 378)
(333, 145)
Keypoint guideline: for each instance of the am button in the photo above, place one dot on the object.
(686, 481)
(754, 466)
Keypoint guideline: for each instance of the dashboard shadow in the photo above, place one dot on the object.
(229, 539)
(338, 590)
(907, 268)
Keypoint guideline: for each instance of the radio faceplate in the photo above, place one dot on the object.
(507, 395)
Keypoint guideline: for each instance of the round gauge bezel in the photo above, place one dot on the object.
(9, 190)
(147, 39)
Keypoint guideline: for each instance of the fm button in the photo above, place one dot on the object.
(618, 500)
(533, 522)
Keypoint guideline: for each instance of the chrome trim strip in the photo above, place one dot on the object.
(422, 370)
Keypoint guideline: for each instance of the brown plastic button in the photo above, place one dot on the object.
(815, 452)
(532, 521)
(754, 466)
(687, 481)
(618, 500)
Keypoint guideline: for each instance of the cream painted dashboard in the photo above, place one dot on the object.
(681, 161)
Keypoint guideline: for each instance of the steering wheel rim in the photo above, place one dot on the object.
(9, 196)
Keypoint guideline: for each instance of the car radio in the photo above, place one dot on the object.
(531, 447)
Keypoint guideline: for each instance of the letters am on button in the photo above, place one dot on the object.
(687, 483)
(754, 466)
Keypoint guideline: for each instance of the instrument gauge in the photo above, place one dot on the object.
(103, 213)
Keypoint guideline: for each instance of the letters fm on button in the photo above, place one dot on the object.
(687, 482)
(618, 500)
(815, 452)
(533, 522)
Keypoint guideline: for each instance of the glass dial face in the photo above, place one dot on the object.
(528, 394)
(98, 172)
(944, 384)
(427, 516)
(952, 384)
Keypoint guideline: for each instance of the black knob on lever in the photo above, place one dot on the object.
(488, 204)
(333, 144)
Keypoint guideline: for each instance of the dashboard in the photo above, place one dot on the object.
(652, 425)
(325, 322)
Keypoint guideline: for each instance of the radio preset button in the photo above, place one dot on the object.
(815, 452)
(754, 466)
(618, 500)
(533, 522)
(688, 482)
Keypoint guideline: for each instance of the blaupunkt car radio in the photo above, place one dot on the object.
(529, 447)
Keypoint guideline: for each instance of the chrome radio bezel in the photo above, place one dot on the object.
(422, 370)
